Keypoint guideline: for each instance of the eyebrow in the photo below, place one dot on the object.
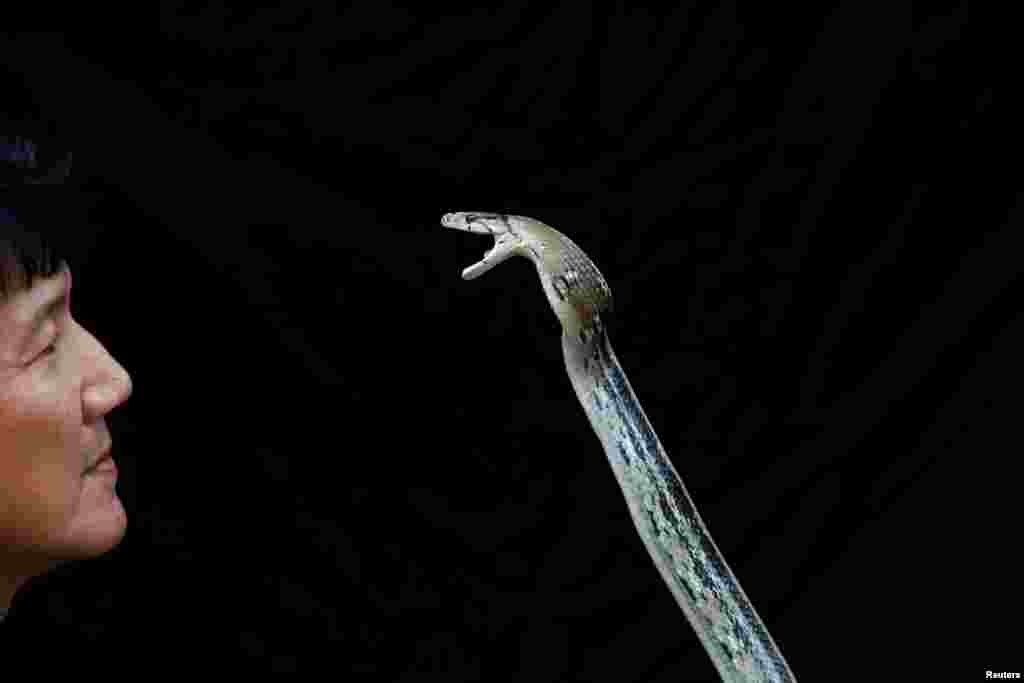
(50, 308)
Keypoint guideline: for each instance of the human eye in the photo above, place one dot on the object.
(50, 350)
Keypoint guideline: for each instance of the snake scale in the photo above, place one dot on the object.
(664, 515)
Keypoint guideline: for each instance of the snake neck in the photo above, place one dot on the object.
(572, 284)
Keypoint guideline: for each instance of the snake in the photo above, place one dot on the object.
(662, 510)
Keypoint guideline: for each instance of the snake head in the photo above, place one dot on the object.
(572, 283)
(507, 241)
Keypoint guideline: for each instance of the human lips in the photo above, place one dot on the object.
(104, 463)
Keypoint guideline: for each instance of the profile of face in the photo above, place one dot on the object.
(57, 385)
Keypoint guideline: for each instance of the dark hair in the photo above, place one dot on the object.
(25, 185)
(24, 256)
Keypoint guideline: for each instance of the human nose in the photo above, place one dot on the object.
(109, 384)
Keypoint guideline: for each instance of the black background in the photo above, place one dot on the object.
(340, 457)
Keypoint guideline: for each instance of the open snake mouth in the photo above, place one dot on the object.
(505, 245)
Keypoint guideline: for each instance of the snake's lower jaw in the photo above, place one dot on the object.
(476, 270)
(505, 246)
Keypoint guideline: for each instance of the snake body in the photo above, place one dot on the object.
(664, 515)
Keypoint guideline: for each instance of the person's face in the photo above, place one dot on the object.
(57, 384)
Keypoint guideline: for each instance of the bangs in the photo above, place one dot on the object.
(24, 256)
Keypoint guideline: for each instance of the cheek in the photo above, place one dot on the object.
(40, 475)
(38, 504)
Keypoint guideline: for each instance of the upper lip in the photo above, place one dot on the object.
(103, 456)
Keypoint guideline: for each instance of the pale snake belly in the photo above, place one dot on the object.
(664, 515)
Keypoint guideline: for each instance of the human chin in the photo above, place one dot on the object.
(99, 522)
